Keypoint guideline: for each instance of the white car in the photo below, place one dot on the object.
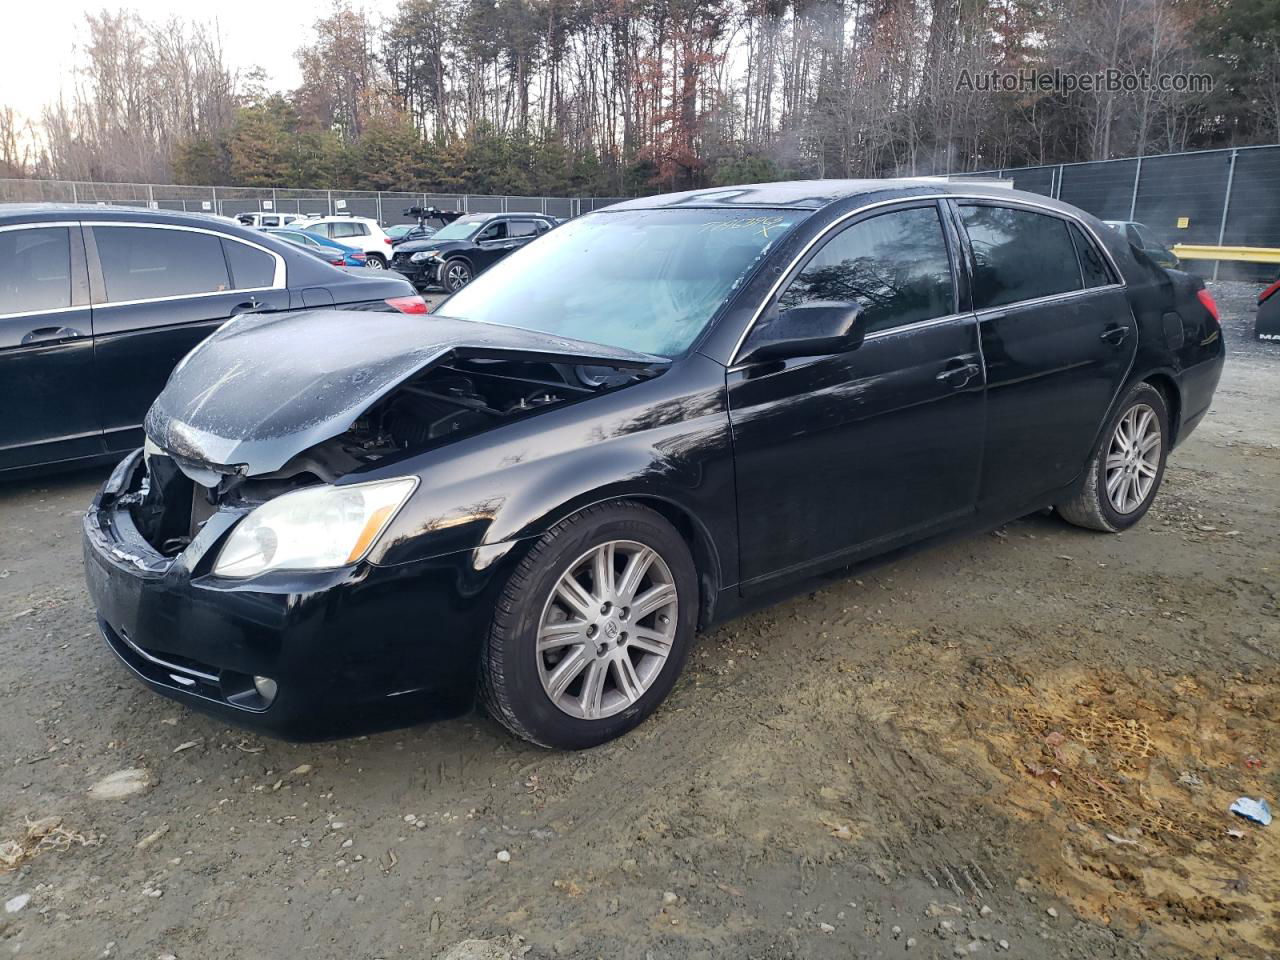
(360, 232)
(265, 218)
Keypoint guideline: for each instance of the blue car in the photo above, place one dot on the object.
(338, 254)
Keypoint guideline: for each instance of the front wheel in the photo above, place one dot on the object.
(1122, 478)
(455, 274)
(592, 629)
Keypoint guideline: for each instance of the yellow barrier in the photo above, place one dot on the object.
(1195, 251)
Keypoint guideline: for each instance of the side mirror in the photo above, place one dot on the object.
(813, 329)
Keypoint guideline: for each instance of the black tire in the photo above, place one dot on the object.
(1090, 506)
(375, 261)
(454, 274)
(510, 685)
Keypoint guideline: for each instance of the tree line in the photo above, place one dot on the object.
(618, 97)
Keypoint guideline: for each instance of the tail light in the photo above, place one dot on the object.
(410, 304)
(387, 241)
(359, 257)
(339, 261)
(1206, 298)
(1262, 297)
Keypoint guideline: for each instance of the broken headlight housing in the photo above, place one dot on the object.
(317, 528)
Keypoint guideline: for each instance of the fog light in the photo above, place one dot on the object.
(266, 688)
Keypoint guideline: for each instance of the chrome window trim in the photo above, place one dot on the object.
(36, 225)
(278, 282)
(996, 201)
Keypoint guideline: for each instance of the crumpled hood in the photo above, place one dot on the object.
(265, 387)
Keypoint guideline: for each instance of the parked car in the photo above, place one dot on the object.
(330, 251)
(1266, 325)
(359, 232)
(97, 304)
(265, 218)
(466, 247)
(401, 232)
(640, 425)
(1140, 235)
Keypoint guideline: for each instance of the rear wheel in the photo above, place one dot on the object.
(1121, 480)
(455, 274)
(375, 261)
(592, 629)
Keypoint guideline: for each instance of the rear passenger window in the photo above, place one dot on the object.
(35, 269)
(1018, 255)
(250, 267)
(1092, 266)
(141, 263)
(521, 228)
(894, 265)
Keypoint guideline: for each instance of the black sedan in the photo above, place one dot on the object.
(456, 253)
(541, 493)
(97, 304)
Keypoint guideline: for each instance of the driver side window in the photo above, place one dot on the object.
(895, 266)
(495, 231)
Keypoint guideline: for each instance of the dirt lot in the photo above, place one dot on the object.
(1024, 741)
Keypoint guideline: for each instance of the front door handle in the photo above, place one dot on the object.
(959, 375)
(1115, 335)
(43, 334)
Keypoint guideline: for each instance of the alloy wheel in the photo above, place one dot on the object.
(607, 629)
(373, 263)
(1133, 458)
(456, 276)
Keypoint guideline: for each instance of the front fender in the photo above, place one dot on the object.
(665, 440)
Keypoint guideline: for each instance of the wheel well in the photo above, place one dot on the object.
(705, 561)
(1172, 399)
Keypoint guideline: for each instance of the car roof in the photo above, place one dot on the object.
(22, 212)
(816, 194)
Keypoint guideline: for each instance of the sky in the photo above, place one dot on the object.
(40, 44)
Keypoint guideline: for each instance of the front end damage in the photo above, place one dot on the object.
(274, 406)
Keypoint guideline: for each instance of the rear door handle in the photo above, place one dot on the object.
(44, 334)
(1115, 335)
(959, 375)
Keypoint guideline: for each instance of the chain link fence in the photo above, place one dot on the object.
(387, 207)
(1228, 197)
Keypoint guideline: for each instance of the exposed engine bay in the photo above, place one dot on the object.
(443, 404)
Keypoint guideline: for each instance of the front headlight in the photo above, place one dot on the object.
(422, 255)
(313, 529)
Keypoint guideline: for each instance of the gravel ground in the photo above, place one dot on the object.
(1022, 743)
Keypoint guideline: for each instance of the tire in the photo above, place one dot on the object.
(375, 261)
(455, 274)
(525, 688)
(1097, 503)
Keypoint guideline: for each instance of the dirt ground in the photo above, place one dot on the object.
(1022, 743)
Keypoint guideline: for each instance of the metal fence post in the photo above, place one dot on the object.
(379, 206)
(1226, 206)
(213, 194)
(1058, 195)
(1133, 200)
(329, 195)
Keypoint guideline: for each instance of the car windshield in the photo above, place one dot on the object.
(645, 280)
(464, 228)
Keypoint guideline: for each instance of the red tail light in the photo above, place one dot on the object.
(1262, 297)
(1206, 298)
(411, 304)
(386, 240)
(359, 257)
(339, 261)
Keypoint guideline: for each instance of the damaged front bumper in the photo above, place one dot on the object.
(352, 649)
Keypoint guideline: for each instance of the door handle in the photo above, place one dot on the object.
(508, 246)
(41, 334)
(252, 305)
(1115, 335)
(959, 376)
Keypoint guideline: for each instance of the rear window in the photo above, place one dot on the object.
(35, 269)
(250, 267)
(1092, 265)
(142, 263)
(1018, 255)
